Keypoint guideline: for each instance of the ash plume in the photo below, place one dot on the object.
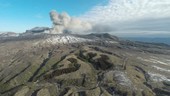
(63, 23)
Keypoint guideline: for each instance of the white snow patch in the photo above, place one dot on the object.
(152, 61)
(140, 58)
(157, 61)
(157, 77)
(161, 69)
(62, 40)
(122, 78)
(113, 42)
(154, 57)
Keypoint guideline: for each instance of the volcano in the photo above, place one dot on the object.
(41, 64)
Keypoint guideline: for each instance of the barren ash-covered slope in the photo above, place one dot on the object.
(82, 65)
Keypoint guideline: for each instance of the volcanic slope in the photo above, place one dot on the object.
(82, 65)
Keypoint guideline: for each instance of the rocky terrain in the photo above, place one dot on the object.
(82, 65)
(8, 34)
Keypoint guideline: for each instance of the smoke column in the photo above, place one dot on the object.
(63, 23)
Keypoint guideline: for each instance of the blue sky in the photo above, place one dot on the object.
(19, 15)
(119, 17)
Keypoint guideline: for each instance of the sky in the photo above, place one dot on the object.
(20, 15)
(119, 17)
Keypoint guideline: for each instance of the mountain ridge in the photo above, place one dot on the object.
(88, 65)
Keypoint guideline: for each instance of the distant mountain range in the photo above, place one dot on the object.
(165, 40)
(8, 34)
(37, 30)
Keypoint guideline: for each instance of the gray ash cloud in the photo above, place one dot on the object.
(64, 23)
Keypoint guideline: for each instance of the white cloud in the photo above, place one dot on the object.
(131, 17)
(122, 10)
